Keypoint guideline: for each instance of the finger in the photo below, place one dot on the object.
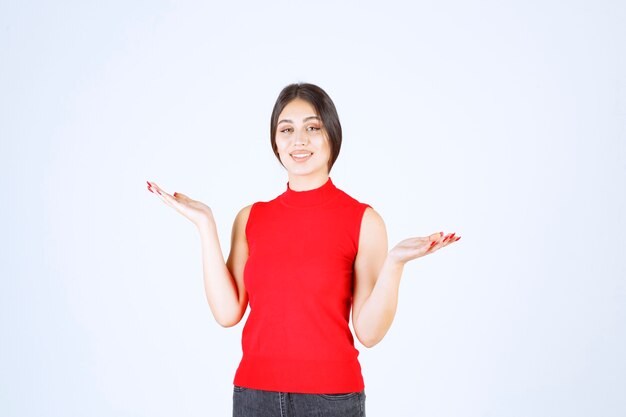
(180, 196)
(435, 242)
(434, 245)
(438, 244)
(154, 188)
(165, 197)
(435, 236)
(451, 239)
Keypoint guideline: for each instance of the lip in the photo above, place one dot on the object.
(300, 152)
(301, 156)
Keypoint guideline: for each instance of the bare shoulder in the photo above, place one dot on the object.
(244, 213)
(242, 217)
(238, 243)
(372, 215)
(373, 235)
(372, 221)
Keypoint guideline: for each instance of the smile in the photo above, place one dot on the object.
(301, 156)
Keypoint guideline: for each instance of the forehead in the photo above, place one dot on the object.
(296, 110)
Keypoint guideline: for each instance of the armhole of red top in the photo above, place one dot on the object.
(363, 207)
(248, 220)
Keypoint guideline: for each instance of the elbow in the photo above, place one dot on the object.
(369, 343)
(229, 320)
(227, 315)
(370, 336)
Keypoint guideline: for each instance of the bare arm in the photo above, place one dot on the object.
(223, 281)
(378, 273)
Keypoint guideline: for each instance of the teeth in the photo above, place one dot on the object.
(300, 155)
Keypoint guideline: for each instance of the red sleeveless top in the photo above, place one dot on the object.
(298, 276)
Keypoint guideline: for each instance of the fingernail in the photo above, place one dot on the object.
(452, 235)
(174, 194)
(159, 192)
(432, 244)
(457, 238)
(440, 233)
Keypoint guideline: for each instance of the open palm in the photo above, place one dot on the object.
(196, 211)
(416, 247)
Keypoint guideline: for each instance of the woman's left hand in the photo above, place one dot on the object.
(416, 247)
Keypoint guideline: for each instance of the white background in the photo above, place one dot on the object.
(502, 121)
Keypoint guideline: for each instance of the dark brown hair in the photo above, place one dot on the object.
(324, 107)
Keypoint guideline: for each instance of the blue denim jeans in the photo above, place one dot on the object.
(248, 402)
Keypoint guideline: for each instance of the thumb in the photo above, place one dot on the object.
(435, 236)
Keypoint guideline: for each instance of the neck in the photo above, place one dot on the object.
(305, 182)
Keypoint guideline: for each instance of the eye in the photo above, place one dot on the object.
(314, 128)
(287, 129)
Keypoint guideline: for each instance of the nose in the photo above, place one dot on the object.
(302, 138)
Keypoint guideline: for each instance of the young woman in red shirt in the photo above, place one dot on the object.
(303, 261)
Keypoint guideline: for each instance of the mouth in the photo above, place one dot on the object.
(301, 156)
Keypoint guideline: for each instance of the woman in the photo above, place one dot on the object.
(302, 261)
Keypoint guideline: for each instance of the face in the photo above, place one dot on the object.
(301, 141)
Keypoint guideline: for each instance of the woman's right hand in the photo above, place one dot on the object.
(199, 213)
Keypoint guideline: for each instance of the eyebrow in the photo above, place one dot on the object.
(304, 120)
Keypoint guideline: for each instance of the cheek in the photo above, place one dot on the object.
(282, 149)
(281, 144)
(324, 145)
